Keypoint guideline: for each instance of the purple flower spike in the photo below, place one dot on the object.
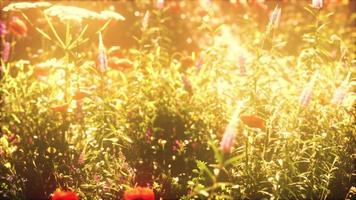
(5, 55)
(275, 17)
(341, 91)
(81, 158)
(242, 64)
(3, 30)
(199, 63)
(339, 95)
(102, 57)
(148, 135)
(103, 63)
(306, 96)
(228, 139)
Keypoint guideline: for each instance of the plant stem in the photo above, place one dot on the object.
(246, 151)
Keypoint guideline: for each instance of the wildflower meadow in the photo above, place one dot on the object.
(178, 99)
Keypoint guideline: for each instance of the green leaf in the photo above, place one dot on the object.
(217, 152)
(202, 167)
(233, 160)
(204, 193)
(88, 186)
(127, 139)
(321, 27)
(16, 118)
(113, 140)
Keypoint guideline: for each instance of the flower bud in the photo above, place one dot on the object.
(17, 27)
(306, 96)
(275, 17)
(228, 139)
(102, 57)
(317, 4)
(5, 54)
(160, 4)
(242, 64)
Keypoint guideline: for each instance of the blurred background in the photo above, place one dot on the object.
(185, 16)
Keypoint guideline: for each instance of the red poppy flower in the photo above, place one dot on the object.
(18, 27)
(120, 64)
(139, 193)
(79, 109)
(115, 51)
(262, 6)
(41, 71)
(187, 61)
(253, 121)
(63, 195)
(202, 13)
(80, 94)
(60, 108)
(174, 6)
(187, 84)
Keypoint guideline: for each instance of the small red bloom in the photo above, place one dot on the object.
(253, 121)
(242, 64)
(261, 6)
(60, 108)
(139, 193)
(80, 94)
(81, 158)
(187, 84)
(202, 13)
(63, 195)
(174, 6)
(187, 61)
(41, 71)
(115, 52)
(18, 27)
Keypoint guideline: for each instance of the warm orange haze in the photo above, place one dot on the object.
(177, 99)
